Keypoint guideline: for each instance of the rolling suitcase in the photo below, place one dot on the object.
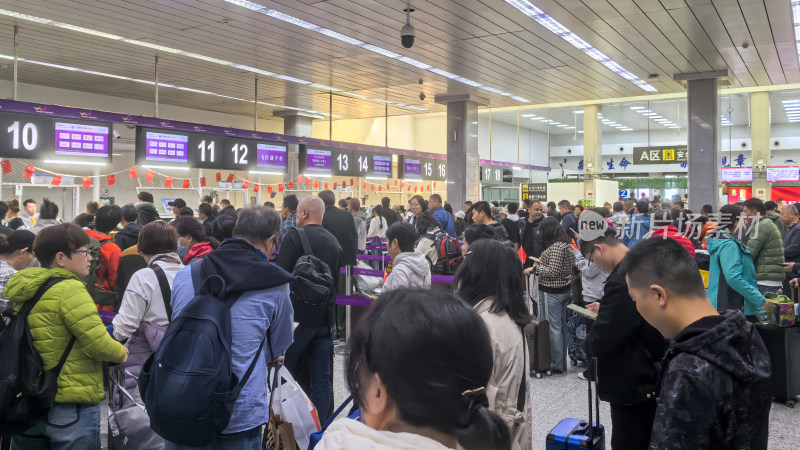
(579, 434)
(576, 324)
(537, 333)
(783, 345)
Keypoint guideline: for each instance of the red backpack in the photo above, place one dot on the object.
(448, 253)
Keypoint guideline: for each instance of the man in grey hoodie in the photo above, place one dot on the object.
(146, 210)
(410, 269)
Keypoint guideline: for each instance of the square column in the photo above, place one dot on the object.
(295, 124)
(592, 150)
(762, 154)
(463, 160)
(704, 118)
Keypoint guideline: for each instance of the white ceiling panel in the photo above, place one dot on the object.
(486, 41)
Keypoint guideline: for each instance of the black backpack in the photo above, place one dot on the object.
(448, 253)
(27, 391)
(187, 384)
(311, 288)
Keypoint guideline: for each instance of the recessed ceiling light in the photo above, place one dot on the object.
(564, 33)
(636, 108)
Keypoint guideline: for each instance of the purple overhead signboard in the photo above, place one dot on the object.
(271, 156)
(76, 139)
(382, 165)
(166, 147)
(318, 161)
(412, 168)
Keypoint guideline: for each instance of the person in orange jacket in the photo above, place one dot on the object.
(107, 219)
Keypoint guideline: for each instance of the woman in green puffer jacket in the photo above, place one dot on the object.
(765, 244)
(64, 311)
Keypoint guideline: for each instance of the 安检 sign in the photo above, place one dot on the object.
(661, 155)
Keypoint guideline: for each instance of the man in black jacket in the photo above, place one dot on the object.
(312, 348)
(715, 391)
(129, 235)
(531, 237)
(340, 223)
(146, 211)
(628, 349)
(568, 220)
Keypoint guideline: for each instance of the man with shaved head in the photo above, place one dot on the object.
(310, 357)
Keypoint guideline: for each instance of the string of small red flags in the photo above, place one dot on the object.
(291, 184)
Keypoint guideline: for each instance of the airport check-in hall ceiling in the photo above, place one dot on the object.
(512, 52)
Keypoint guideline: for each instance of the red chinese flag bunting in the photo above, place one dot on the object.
(291, 184)
(335, 185)
(132, 172)
(28, 171)
(308, 181)
(326, 185)
(280, 187)
(395, 182)
(408, 188)
(168, 182)
(149, 175)
(351, 182)
(111, 179)
(186, 183)
(219, 177)
(244, 184)
(434, 185)
(372, 186)
(416, 188)
(387, 186)
(87, 182)
(256, 188)
(202, 181)
(56, 180)
(380, 187)
(364, 184)
(402, 184)
(299, 179)
(316, 184)
(230, 177)
(6, 166)
(269, 189)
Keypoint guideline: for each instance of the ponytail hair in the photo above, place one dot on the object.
(435, 370)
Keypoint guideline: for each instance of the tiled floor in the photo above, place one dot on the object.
(559, 396)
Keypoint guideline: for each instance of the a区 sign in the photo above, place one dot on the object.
(661, 155)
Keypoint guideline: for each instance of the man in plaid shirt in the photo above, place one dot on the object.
(15, 254)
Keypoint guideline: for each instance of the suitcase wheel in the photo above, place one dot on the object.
(790, 403)
(538, 375)
(549, 372)
(573, 362)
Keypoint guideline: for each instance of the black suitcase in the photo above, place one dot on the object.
(537, 333)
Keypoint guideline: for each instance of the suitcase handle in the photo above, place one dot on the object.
(593, 374)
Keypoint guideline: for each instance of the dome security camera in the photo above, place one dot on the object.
(408, 33)
(422, 96)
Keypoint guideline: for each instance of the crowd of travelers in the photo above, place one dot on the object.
(430, 368)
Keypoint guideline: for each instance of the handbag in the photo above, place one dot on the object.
(128, 422)
(278, 435)
(294, 406)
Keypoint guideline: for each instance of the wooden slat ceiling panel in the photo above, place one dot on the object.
(487, 41)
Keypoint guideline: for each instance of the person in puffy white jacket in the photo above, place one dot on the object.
(410, 269)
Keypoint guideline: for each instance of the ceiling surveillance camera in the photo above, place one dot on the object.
(422, 96)
(115, 134)
(408, 33)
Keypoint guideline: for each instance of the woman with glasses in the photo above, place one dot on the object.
(65, 314)
(193, 243)
(491, 281)
(554, 269)
(416, 206)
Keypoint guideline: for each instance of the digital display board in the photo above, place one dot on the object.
(422, 168)
(319, 161)
(786, 174)
(270, 156)
(207, 151)
(45, 137)
(167, 147)
(496, 174)
(382, 166)
(82, 139)
(736, 174)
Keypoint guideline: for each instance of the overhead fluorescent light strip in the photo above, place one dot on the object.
(563, 32)
(379, 50)
(164, 85)
(165, 49)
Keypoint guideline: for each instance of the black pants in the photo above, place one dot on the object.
(632, 425)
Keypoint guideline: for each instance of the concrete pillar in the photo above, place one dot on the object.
(592, 150)
(463, 160)
(760, 129)
(295, 124)
(704, 119)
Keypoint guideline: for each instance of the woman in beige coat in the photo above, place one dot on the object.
(491, 280)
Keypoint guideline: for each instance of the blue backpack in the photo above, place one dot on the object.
(187, 384)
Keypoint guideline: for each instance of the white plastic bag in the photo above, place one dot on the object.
(294, 406)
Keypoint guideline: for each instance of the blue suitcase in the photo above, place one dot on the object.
(578, 434)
